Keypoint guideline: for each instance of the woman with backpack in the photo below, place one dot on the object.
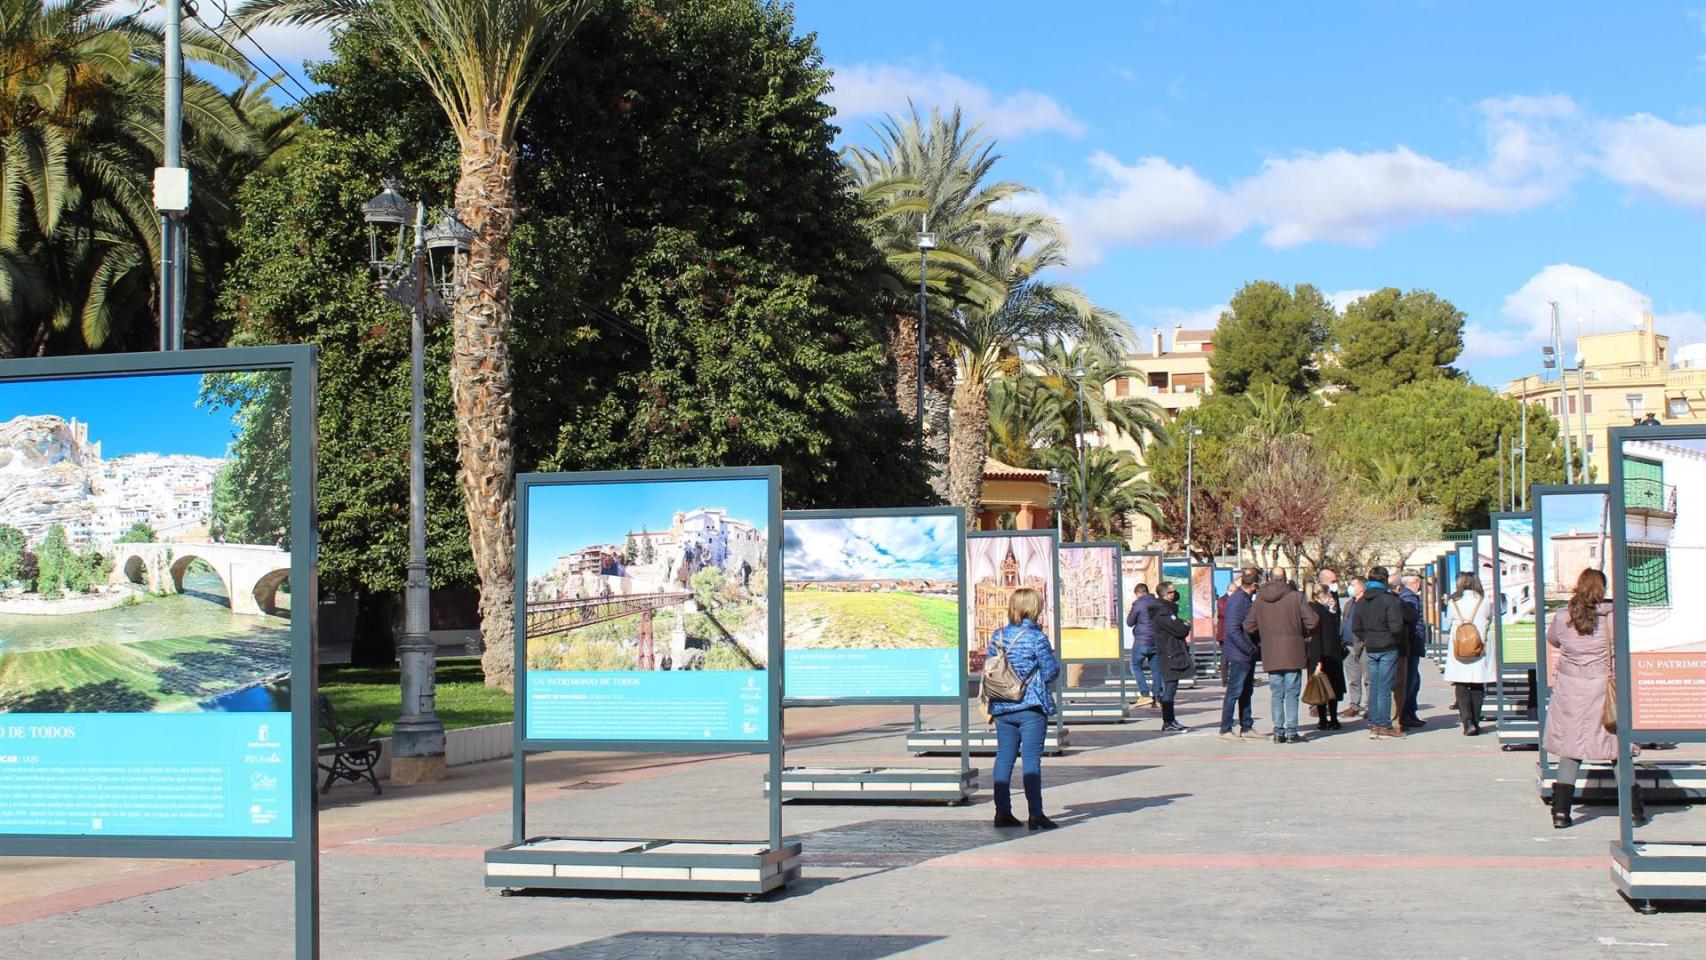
(1472, 662)
(1019, 666)
(1172, 655)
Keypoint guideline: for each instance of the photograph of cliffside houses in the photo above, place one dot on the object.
(880, 583)
(648, 575)
(144, 543)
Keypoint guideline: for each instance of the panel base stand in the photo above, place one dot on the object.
(1518, 734)
(1094, 711)
(888, 784)
(642, 866)
(980, 742)
(1659, 871)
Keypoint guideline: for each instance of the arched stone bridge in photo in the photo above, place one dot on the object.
(251, 574)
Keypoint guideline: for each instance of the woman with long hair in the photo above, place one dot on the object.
(1469, 607)
(1582, 632)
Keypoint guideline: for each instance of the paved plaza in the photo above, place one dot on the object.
(1184, 846)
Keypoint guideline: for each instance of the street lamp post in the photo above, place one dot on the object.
(423, 279)
(1191, 435)
(1582, 410)
(1078, 375)
(1057, 488)
(926, 243)
(1238, 522)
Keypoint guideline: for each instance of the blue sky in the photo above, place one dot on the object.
(152, 414)
(562, 519)
(871, 548)
(1563, 512)
(1500, 154)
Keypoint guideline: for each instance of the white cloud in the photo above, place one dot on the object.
(873, 90)
(1652, 156)
(1588, 302)
(1340, 299)
(870, 548)
(1338, 196)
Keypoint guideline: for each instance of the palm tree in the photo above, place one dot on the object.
(1061, 366)
(80, 135)
(989, 334)
(482, 60)
(1112, 478)
(934, 173)
(1026, 423)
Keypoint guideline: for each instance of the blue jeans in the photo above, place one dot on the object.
(1240, 683)
(1413, 685)
(1382, 665)
(1145, 668)
(1020, 734)
(1288, 687)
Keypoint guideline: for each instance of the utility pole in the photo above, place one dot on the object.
(1524, 443)
(172, 186)
(1563, 398)
(1582, 409)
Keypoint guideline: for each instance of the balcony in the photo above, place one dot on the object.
(1649, 498)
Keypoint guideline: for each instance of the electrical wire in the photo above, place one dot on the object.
(285, 71)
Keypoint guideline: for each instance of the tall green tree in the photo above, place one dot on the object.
(251, 492)
(483, 61)
(1443, 436)
(1388, 338)
(80, 136)
(13, 546)
(1269, 334)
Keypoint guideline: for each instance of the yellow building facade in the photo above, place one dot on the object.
(1625, 376)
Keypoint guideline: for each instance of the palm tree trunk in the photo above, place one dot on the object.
(968, 448)
(480, 380)
(938, 388)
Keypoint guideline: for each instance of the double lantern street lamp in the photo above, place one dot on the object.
(423, 271)
(1078, 375)
(926, 243)
(1238, 522)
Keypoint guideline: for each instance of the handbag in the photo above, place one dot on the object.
(1608, 708)
(1467, 644)
(1318, 689)
(1001, 683)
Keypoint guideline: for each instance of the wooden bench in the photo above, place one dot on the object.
(352, 754)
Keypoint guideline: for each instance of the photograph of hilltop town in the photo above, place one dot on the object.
(648, 575)
(880, 583)
(144, 548)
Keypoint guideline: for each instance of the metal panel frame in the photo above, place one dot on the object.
(772, 744)
(1160, 557)
(301, 848)
(1542, 683)
(1054, 565)
(1119, 603)
(1620, 606)
(1499, 620)
(964, 697)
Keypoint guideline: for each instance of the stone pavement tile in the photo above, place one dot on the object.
(1180, 846)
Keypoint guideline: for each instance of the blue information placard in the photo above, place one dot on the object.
(646, 608)
(146, 633)
(873, 604)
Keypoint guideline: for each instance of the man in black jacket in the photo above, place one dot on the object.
(1380, 625)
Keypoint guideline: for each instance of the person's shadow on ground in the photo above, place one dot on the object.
(1080, 812)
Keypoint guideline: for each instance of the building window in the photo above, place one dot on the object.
(1188, 382)
(1678, 408)
(1158, 382)
(1122, 387)
(1649, 577)
(1591, 438)
(1637, 404)
(1587, 403)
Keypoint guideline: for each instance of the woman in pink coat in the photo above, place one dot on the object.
(1582, 633)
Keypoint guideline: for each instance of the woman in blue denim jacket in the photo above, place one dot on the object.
(1020, 724)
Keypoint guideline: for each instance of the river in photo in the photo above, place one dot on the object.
(178, 652)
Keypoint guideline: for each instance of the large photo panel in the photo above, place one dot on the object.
(998, 563)
(1091, 616)
(1572, 534)
(1177, 571)
(1513, 541)
(1136, 568)
(148, 525)
(646, 606)
(1663, 500)
(872, 604)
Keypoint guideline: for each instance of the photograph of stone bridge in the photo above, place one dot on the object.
(252, 575)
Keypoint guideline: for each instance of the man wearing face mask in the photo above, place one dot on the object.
(1356, 667)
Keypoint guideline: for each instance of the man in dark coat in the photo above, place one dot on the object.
(1281, 617)
(1379, 623)
(1409, 592)
(1141, 619)
(1240, 652)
